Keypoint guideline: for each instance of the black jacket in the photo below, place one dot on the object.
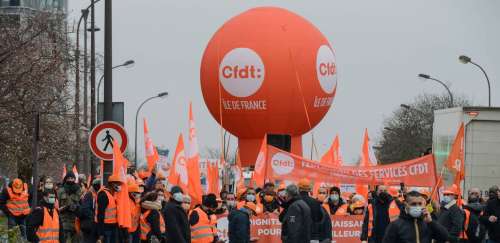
(325, 227)
(35, 220)
(86, 212)
(492, 209)
(294, 222)
(176, 222)
(239, 227)
(153, 220)
(452, 218)
(476, 231)
(403, 230)
(316, 215)
(380, 216)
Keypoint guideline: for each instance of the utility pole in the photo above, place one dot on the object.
(92, 79)
(108, 75)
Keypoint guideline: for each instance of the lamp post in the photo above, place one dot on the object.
(465, 59)
(426, 76)
(160, 95)
(127, 63)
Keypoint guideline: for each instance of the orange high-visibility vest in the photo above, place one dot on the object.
(393, 215)
(203, 231)
(463, 234)
(135, 209)
(110, 212)
(17, 204)
(146, 228)
(48, 232)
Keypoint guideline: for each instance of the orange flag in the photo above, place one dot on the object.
(193, 165)
(178, 172)
(367, 159)
(259, 174)
(151, 152)
(120, 164)
(332, 156)
(455, 161)
(75, 171)
(240, 181)
(213, 178)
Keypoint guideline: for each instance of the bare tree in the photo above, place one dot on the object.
(34, 64)
(407, 134)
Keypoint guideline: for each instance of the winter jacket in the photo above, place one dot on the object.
(404, 230)
(153, 219)
(294, 222)
(239, 227)
(69, 202)
(492, 209)
(476, 231)
(452, 218)
(325, 227)
(35, 220)
(381, 220)
(176, 222)
(86, 212)
(316, 215)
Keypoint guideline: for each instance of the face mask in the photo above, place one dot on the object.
(186, 206)
(178, 196)
(446, 199)
(231, 203)
(137, 197)
(250, 198)
(51, 200)
(334, 197)
(268, 198)
(49, 186)
(281, 194)
(415, 211)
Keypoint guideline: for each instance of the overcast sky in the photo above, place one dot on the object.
(380, 47)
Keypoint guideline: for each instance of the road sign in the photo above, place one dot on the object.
(102, 136)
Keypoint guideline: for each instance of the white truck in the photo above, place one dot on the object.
(482, 144)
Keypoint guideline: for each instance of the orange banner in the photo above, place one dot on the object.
(282, 165)
(267, 228)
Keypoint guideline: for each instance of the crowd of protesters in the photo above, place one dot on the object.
(81, 210)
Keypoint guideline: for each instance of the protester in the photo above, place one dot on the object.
(86, 213)
(186, 203)
(135, 209)
(203, 221)
(336, 205)
(176, 219)
(69, 201)
(230, 202)
(475, 231)
(106, 215)
(269, 201)
(295, 218)
(44, 224)
(14, 204)
(239, 223)
(320, 219)
(491, 216)
(378, 216)
(415, 223)
(493, 192)
(451, 216)
(152, 224)
(358, 208)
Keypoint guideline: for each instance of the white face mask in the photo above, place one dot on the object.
(49, 186)
(334, 197)
(415, 211)
(446, 199)
(231, 203)
(178, 196)
(250, 198)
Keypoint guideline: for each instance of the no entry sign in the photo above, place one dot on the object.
(102, 137)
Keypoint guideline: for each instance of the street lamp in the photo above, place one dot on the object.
(465, 59)
(425, 76)
(125, 64)
(160, 95)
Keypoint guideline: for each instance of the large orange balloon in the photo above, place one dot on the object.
(269, 71)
